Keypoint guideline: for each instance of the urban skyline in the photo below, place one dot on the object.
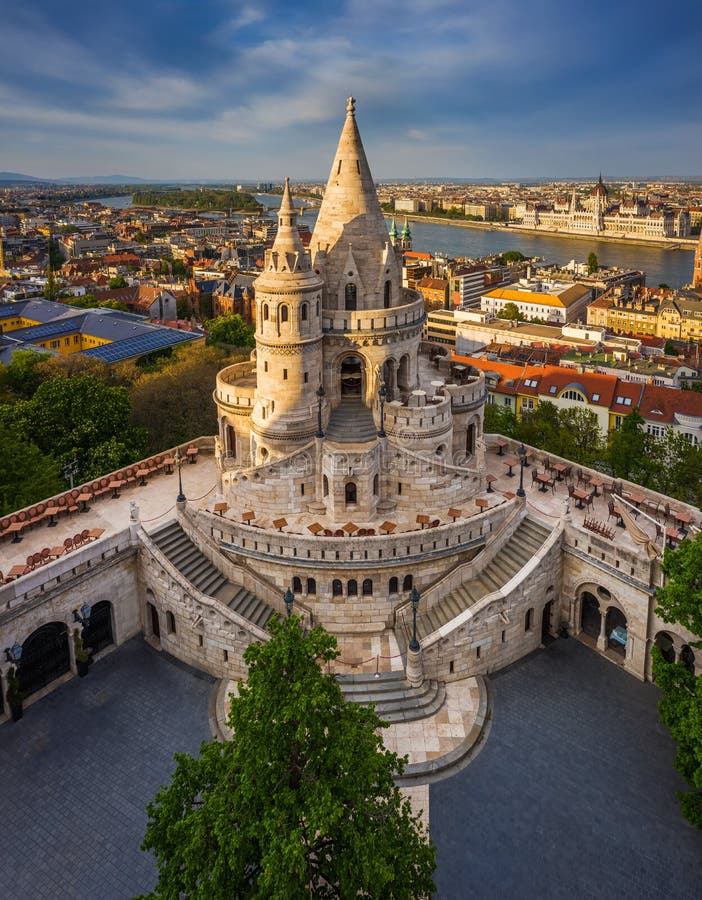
(217, 89)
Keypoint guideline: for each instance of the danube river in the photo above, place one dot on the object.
(672, 267)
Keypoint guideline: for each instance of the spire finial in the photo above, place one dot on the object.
(351, 105)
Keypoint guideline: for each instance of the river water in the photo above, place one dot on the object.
(672, 267)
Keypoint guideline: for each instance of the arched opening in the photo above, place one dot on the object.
(546, 636)
(664, 642)
(616, 630)
(367, 588)
(153, 620)
(375, 485)
(98, 634)
(311, 586)
(393, 585)
(265, 312)
(45, 657)
(352, 588)
(387, 295)
(407, 583)
(403, 373)
(337, 588)
(297, 585)
(351, 377)
(350, 297)
(470, 439)
(170, 622)
(590, 615)
(303, 312)
(350, 492)
(284, 313)
(325, 486)
(529, 619)
(687, 658)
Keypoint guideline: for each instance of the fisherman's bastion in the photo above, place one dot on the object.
(350, 483)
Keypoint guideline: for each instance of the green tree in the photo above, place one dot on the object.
(592, 263)
(627, 448)
(670, 349)
(231, 330)
(680, 599)
(500, 420)
(512, 256)
(301, 803)
(511, 311)
(119, 281)
(540, 427)
(26, 474)
(579, 435)
(52, 285)
(23, 375)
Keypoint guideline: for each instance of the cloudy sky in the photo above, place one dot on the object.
(237, 90)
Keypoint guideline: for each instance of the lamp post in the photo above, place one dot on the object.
(288, 599)
(320, 397)
(382, 393)
(82, 616)
(522, 459)
(179, 465)
(14, 654)
(414, 600)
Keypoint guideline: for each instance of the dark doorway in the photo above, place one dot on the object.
(350, 492)
(470, 439)
(155, 626)
(546, 636)
(590, 616)
(45, 657)
(664, 642)
(350, 296)
(98, 634)
(351, 377)
(687, 658)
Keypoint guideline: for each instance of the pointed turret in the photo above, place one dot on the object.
(287, 240)
(406, 242)
(351, 218)
(393, 232)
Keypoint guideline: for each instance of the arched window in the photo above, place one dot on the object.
(350, 296)
(303, 312)
(265, 312)
(283, 313)
(386, 294)
(528, 619)
(170, 623)
(311, 586)
(336, 588)
(367, 587)
(375, 485)
(352, 588)
(297, 585)
(350, 492)
(393, 585)
(407, 583)
(317, 308)
(325, 486)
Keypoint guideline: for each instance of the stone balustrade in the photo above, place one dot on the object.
(236, 386)
(375, 321)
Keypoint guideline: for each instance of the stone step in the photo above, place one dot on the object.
(393, 698)
(351, 422)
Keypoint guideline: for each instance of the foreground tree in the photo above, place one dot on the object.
(680, 600)
(231, 330)
(301, 803)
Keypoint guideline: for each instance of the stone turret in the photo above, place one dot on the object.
(350, 246)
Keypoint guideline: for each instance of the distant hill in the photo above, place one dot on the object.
(102, 179)
(18, 178)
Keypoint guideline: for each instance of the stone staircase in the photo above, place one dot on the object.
(174, 543)
(519, 549)
(395, 700)
(351, 423)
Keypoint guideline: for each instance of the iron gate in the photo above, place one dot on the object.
(98, 634)
(45, 656)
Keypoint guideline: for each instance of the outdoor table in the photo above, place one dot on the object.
(527, 456)
(280, 523)
(683, 517)
(545, 481)
(221, 508)
(673, 535)
(482, 503)
(455, 513)
(315, 528)
(15, 529)
(510, 461)
(191, 453)
(501, 445)
(560, 469)
(84, 499)
(142, 475)
(115, 486)
(636, 499)
(595, 483)
(52, 512)
(95, 533)
(55, 552)
(246, 517)
(17, 571)
(388, 527)
(169, 462)
(349, 528)
(423, 520)
(490, 479)
(580, 495)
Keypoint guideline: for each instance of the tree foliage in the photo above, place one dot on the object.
(511, 311)
(26, 474)
(593, 263)
(512, 256)
(231, 330)
(203, 198)
(301, 803)
(680, 599)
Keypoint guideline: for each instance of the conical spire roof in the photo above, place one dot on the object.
(351, 218)
(287, 239)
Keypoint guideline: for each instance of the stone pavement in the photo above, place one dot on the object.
(77, 772)
(573, 794)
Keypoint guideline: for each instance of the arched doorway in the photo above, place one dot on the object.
(45, 657)
(403, 374)
(153, 620)
(350, 492)
(590, 615)
(616, 630)
(687, 658)
(98, 634)
(664, 642)
(352, 377)
(470, 439)
(546, 636)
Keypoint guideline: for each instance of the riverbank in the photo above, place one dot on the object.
(665, 243)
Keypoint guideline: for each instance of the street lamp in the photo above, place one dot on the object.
(320, 397)
(414, 600)
(288, 599)
(382, 393)
(83, 616)
(522, 460)
(179, 465)
(14, 653)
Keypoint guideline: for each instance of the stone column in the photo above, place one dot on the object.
(602, 639)
(414, 671)
(319, 504)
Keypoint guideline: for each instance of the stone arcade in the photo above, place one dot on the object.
(350, 471)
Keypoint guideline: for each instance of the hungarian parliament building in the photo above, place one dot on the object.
(596, 214)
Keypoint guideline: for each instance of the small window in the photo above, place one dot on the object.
(595, 398)
(552, 389)
(170, 623)
(350, 296)
(303, 312)
(285, 374)
(375, 485)
(325, 486)
(297, 585)
(265, 365)
(407, 583)
(311, 586)
(387, 294)
(265, 312)
(352, 588)
(393, 585)
(283, 313)
(528, 620)
(337, 588)
(367, 587)
(305, 377)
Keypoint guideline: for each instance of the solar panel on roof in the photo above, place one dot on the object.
(139, 344)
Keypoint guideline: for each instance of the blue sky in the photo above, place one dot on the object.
(237, 90)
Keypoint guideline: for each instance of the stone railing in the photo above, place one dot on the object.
(230, 391)
(425, 413)
(374, 321)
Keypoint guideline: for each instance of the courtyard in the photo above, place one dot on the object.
(573, 793)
